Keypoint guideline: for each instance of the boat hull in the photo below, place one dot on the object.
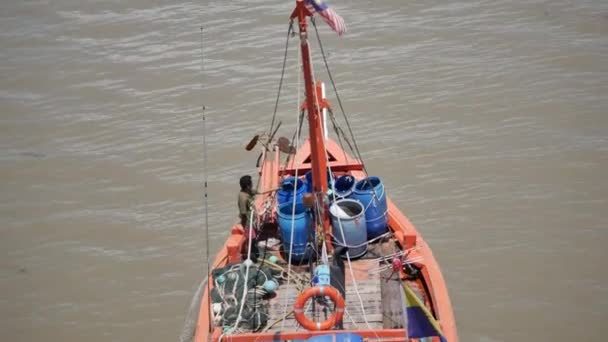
(431, 284)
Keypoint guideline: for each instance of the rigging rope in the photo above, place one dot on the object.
(276, 105)
(295, 191)
(339, 133)
(248, 262)
(357, 152)
(297, 139)
(350, 267)
(293, 138)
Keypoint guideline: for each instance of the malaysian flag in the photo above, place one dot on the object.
(329, 15)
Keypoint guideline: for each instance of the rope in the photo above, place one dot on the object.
(293, 138)
(350, 267)
(337, 242)
(276, 105)
(297, 277)
(258, 273)
(340, 133)
(268, 327)
(248, 263)
(295, 192)
(336, 129)
(338, 96)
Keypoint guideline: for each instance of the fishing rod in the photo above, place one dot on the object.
(205, 177)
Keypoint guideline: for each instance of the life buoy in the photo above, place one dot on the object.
(327, 324)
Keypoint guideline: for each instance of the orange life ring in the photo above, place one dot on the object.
(327, 324)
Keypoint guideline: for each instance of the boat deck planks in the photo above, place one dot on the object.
(379, 315)
(353, 317)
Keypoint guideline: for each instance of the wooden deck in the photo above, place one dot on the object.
(377, 294)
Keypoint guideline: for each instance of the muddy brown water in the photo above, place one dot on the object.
(487, 121)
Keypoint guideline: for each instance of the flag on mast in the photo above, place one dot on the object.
(330, 16)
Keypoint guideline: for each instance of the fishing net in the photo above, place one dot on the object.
(227, 295)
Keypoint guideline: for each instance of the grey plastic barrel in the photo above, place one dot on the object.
(349, 214)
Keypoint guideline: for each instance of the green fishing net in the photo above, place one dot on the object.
(227, 294)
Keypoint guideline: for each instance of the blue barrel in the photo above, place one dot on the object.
(308, 177)
(370, 192)
(348, 213)
(338, 337)
(288, 186)
(302, 229)
(344, 186)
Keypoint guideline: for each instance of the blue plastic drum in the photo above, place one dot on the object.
(288, 187)
(370, 192)
(344, 186)
(301, 222)
(337, 337)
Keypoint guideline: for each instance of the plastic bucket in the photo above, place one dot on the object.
(348, 214)
(288, 186)
(322, 276)
(344, 186)
(370, 192)
(302, 229)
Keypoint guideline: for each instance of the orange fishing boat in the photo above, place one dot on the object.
(328, 257)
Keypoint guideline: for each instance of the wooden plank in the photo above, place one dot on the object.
(392, 306)
(373, 325)
(370, 289)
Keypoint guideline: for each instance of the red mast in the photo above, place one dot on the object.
(317, 144)
(318, 159)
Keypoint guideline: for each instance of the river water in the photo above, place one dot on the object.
(487, 121)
